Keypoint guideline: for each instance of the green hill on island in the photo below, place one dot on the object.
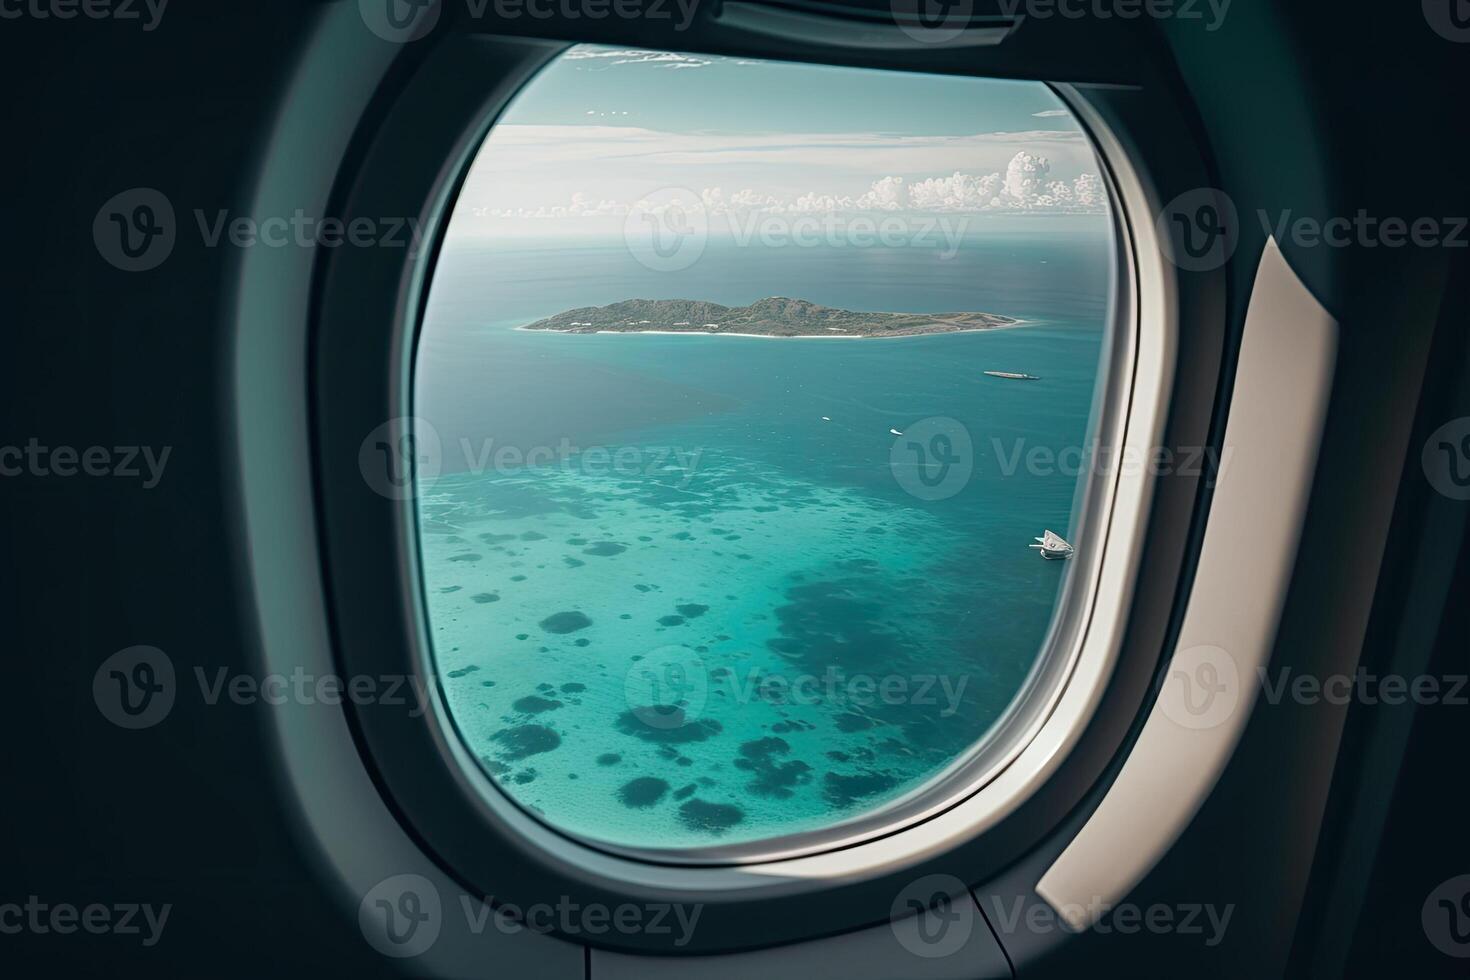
(776, 316)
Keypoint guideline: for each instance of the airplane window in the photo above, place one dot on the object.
(763, 395)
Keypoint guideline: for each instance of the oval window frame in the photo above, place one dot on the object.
(439, 808)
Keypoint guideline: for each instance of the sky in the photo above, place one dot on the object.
(604, 131)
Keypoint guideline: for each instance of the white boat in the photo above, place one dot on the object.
(895, 432)
(1052, 545)
(1012, 375)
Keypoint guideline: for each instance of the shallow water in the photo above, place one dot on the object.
(680, 608)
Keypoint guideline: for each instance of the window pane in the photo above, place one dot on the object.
(757, 385)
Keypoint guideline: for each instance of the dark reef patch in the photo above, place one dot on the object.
(534, 704)
(643, 791)
(710, 818)
(605, 549)
(666, 724)
(565, 622)
(526, 740)
(772, 778)
(844, 791)
(692, 610)
(485, 597)
(463, 671)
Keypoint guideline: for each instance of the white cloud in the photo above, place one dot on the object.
(1025, 186)
(1048, 113)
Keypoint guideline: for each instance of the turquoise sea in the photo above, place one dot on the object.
(687, 590)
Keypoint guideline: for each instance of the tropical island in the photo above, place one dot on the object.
(776, 316)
